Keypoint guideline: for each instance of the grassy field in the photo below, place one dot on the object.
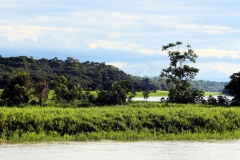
(212, 93)
(135, 121)
(152, 94)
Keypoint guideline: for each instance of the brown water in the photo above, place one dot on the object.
(107, 150)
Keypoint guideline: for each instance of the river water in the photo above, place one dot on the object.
(108, 150)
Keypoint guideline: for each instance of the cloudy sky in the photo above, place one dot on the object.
(126, 34)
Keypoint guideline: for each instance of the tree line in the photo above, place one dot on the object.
(72, 80)
(94, 75)
(22, 90)
(158, 83)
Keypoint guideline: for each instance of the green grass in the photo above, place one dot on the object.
(212, 93)
(152, 94)
(135, 121)
(50, 94)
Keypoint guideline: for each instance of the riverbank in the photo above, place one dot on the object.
(161, 93)
(133, 122)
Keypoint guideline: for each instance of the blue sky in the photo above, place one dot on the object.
(126, 34)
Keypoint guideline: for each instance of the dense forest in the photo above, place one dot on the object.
(94, 75)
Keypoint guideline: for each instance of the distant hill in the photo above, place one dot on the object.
(89, 74)
(92, 75)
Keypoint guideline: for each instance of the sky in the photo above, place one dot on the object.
(126, 34)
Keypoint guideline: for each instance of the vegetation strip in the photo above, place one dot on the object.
(136, 121)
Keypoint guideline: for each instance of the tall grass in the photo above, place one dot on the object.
(136, 121)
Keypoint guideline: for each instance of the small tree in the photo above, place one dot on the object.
(211, 100)
(146, 94)
(61, 90)
(118, 94)
(131, 95)
(18, 90)
(76, 93)
(41, 91)
(178, 75)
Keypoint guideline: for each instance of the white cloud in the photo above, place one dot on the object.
(108, 28)
(148, 51)
(117, 64)
(218, 29)
(19, 33)
(216, 71)
(217, 53)
(114, 45)
(145, 68)
(225, 68)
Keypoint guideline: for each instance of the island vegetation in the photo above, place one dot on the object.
(52, 100)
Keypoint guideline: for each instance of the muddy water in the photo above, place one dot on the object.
(108, 150)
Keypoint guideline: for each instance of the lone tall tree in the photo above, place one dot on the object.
(178, 75)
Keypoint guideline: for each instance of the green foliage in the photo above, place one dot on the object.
(62, 92)
(18, 90)
(156, 83)
(131, 95)
(223, 100)
(146, 94)
(87, 74)
(220, 100)
(118, 94)
(177, 95)
(208, 86)
(133, 122)
(234, 88)
(42, 91)
(178, 76)
(77, 92)
(211, 100)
